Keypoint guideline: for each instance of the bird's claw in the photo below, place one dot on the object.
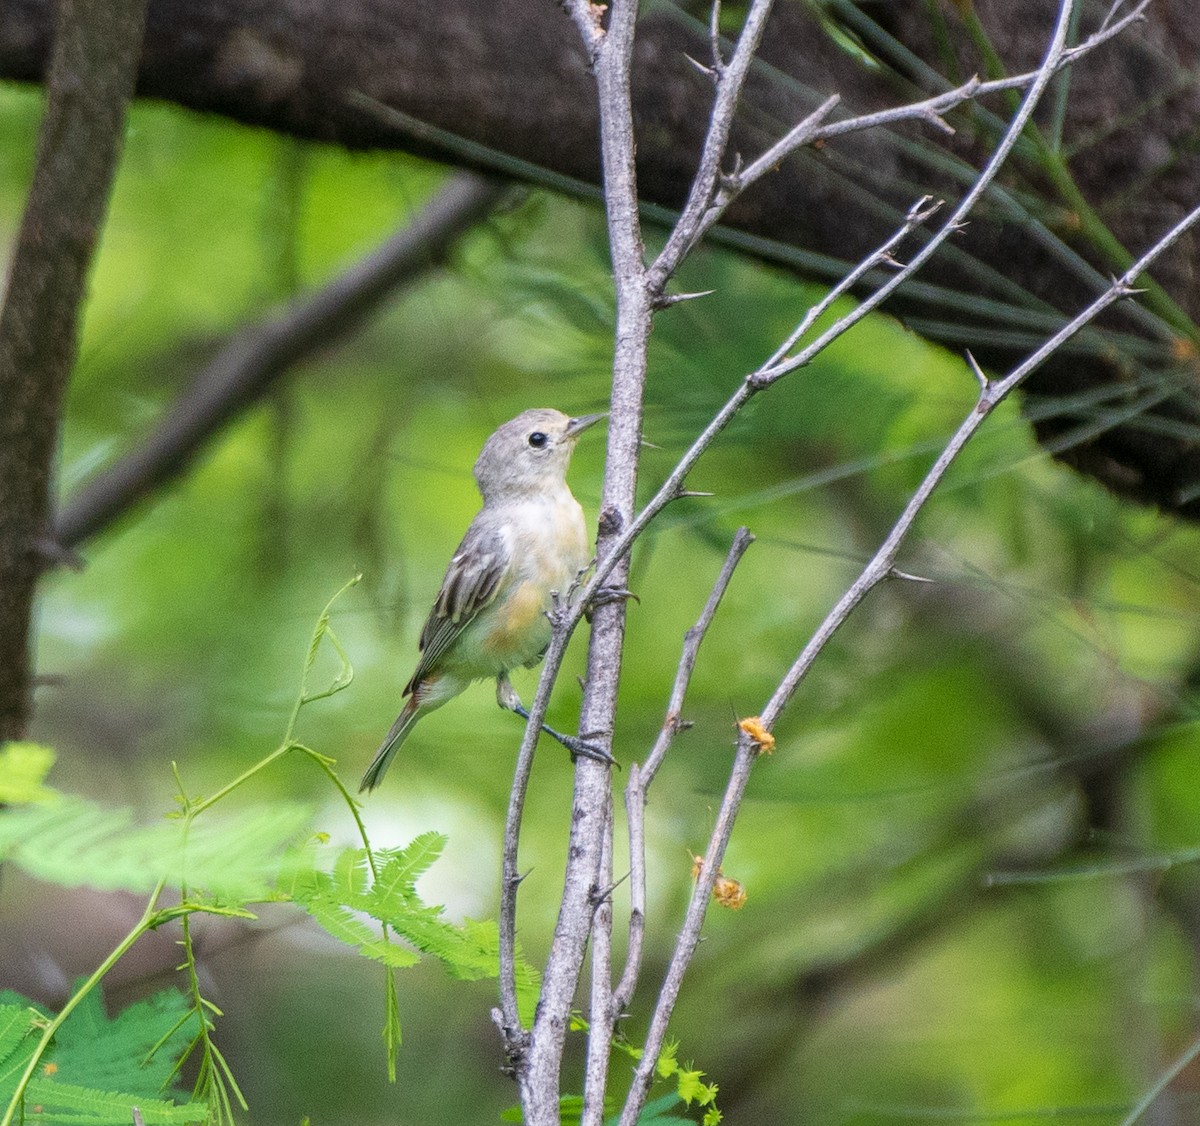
(605, 595)
(578, 745)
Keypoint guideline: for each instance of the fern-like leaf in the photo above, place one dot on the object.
(74, 842)
(337, 899)
(63, 1103)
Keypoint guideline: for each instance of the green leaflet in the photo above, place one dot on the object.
(23, 769)
(468, 951)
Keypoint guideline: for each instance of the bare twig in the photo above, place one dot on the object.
(641, 777)
(247, 367)
(600, 1003)
(876, 571)
(706, 184)
(778, 366)
(921, 211)
(516, 1038)
(932, 109)
(813, 128)
(672, 488)
(685, 947)
(537, 1054)
(992, 392)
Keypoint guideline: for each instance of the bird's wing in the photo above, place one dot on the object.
(472, 580)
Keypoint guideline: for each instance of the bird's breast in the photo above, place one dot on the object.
(548, 541)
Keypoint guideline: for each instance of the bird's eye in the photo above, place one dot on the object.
(537, 439)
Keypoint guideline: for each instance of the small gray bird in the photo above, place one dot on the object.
(528, 540)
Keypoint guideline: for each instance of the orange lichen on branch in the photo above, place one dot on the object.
(729, 893)
(1183, 349)
(753, 726)
(726, 891)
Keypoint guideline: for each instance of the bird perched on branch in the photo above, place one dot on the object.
(527, 541)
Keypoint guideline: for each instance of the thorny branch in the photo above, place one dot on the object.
(713, 190)
(880, 567)
(536, 1054)
(747, 749)
(729, 79)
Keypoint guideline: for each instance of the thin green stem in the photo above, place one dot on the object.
(214, 1078)
(149, 919)
(193, 809)
(391, 1021)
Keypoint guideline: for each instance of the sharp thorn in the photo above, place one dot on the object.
(669, 299)
(896, 573)
(599, 895)
(980, 375)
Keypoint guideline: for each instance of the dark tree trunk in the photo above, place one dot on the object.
(91, 79)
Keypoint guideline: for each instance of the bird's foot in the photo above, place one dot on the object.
(576, 744)
(604, 595)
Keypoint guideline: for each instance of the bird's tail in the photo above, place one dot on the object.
(391, 744)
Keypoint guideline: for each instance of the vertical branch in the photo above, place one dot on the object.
(92, 72)
(591, 812)
(600, 1005)
(703, 197)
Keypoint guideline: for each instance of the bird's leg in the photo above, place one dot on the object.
(507, 698)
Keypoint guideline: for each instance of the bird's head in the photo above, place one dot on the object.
(530, 453)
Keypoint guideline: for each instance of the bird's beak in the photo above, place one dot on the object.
(577, 426)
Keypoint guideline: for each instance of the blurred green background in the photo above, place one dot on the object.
(971, 896)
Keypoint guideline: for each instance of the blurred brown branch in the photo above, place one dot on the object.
(248, 366)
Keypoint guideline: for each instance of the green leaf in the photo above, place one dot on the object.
(98, 1068)
(412, 861)
(18, 1022)
(340, 922)
(469, 951)
(23, 769)
(68, 1103)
